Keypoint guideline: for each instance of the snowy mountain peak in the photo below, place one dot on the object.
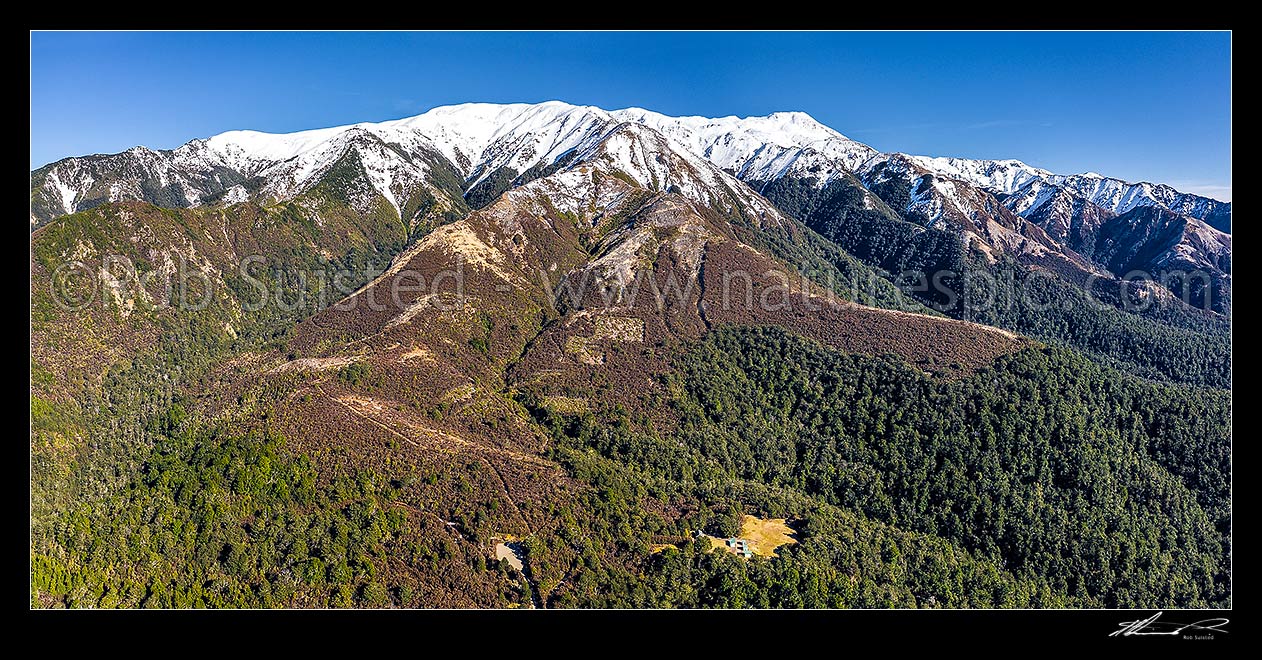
(491, 145)
(1004, 176)
(482, 137)
(795, 117)
(759, 148)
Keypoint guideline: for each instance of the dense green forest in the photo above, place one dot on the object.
(1066, 483)
(215, 519)
(1163, 342)
(1045, 462)
(842, 559)
(1044, 481)
(206, 523)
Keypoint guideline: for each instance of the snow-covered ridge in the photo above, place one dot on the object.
(760, 148)
(1005, 176)
(475, 137)
(480, 139)
(1030, 186)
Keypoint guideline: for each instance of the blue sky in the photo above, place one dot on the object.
(1139, 106)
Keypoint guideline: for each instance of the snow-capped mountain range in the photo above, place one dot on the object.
(451, 159)
(1031, 187)
(481, 139)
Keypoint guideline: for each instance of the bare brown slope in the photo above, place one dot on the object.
(405, 377)
(672, 276)
(583, 276)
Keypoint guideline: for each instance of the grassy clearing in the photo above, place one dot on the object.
(765, 536)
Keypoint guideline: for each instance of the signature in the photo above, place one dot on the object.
(1153, 626)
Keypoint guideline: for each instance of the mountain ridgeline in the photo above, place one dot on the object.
(1158, 257)
(598, 343)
